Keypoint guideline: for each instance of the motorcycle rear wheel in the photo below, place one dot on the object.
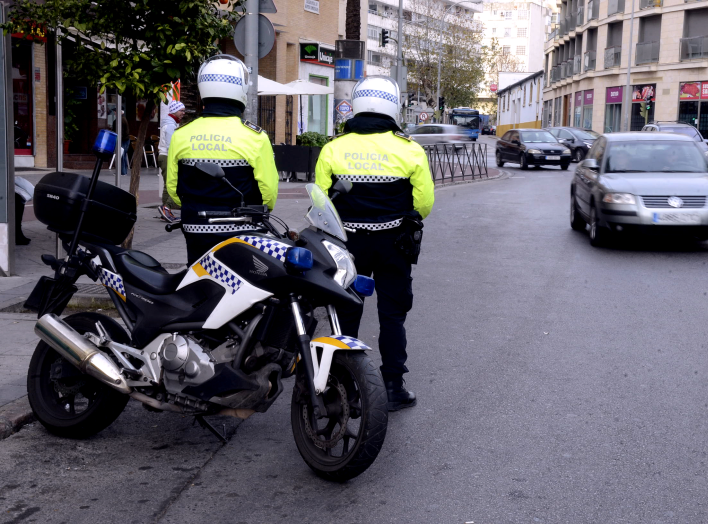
(356, 396)
(66, 402)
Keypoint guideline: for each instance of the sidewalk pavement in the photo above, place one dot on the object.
(150, 237)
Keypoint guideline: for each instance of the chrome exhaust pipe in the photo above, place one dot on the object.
(80, 352)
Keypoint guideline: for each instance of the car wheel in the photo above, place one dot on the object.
(576, 220)
(500, 162)
(523, 162)
(578, 155)
(598, 235)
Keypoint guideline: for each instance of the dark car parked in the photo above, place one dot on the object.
(579, 141)
(678, 128)
(531, 147)
(487, 129)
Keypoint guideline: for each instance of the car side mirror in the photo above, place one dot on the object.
(591, 164)
(516, 142)
(214, 170)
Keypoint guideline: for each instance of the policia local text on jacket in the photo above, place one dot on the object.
(245, 154)
(391, 180)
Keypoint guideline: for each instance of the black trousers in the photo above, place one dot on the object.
(199, 243)
(376, 255)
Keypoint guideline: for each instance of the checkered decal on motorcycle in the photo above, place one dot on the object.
(221, 78)
(220, 273)
(217, 228)
(270, 247)
(370, 178)
(353, 343)
(375, 93)
(223, 163)
(112, 281)
(374, 226)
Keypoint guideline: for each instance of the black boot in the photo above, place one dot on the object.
(398, 396)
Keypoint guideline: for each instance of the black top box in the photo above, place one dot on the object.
(57, 204)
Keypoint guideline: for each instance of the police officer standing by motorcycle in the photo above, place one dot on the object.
(392, 191)
(220, 137)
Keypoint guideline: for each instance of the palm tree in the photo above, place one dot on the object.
(353, 24)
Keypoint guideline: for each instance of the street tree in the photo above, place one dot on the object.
(497, 60)
(352, 27)
(136, 47)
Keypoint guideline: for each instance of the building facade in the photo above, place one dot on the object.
(589, 52)
(520, 105)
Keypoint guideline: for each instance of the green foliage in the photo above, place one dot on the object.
(71, 104)
(312, 139)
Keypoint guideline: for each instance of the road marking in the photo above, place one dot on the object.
(513, 177)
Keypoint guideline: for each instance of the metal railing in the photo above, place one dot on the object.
(569, 68)
(452, 162)
(693, 48)
(563, 27)
(553, 34)
(647, 52)
(648, 4)
(615, 6)
(555, 73)
(589, 60)
(613, 56)
(577, 64)
(593, 10)
(562, 71)
(571, 22)
(581, 15)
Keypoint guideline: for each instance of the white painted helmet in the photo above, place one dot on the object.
(223, 76)
(377, 94)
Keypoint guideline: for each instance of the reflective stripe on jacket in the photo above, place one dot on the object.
(390, 176)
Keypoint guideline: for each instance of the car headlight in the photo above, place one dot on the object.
(346, 272)
(566, 151)
(589, 144)
(534, 151)
(619, 198)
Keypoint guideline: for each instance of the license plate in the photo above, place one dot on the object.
(553, 158)
(676, 218)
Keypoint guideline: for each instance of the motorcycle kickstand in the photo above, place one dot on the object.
(207, 425)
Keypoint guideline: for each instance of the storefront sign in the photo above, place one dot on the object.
(578, 99)
(693, 91)
(641, 93)
(312, 6)
(614, 95)
(589, 96)
(37, 74)
(326, 56)
(309, 52)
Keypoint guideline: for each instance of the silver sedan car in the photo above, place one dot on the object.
(430, 134)
(652, 182)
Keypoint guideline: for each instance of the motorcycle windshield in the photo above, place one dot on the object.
(322, 213)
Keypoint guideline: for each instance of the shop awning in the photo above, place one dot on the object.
(270, 87)
(303, 87)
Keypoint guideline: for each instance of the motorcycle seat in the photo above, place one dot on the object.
(144, 272)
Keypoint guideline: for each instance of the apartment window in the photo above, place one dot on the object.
(524, 96)
(523, 14)
(521, 50)
(506, 50)
(494, 12)
(374, 58)
(530, 93)
(507, 32)
(507, 15)
(521, 32)
(373, 32)
(494, 30)
(373, 8)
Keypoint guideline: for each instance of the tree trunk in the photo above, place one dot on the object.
(137, 160)
(353, 24)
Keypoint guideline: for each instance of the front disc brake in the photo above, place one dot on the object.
(343, 419)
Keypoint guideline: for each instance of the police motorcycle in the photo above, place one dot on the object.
(217, 338)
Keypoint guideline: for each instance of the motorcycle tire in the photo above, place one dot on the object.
(65, 401)
(364, 431)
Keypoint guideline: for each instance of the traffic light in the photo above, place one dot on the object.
(643, 110)
(441, 103)
(384, 37)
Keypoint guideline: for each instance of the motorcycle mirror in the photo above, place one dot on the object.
(341, 186)
(210, 169)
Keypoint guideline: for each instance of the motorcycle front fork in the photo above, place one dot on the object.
(318, 409)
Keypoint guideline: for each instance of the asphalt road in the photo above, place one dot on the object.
(557, 383)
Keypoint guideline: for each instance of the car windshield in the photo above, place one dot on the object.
(586, 134)
(536, 136)
(322, 214)
(688, 131)
(655, 157)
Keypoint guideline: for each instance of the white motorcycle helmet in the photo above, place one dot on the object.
(223, 76)
(377, 94)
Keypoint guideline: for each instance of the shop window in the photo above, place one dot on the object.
(587, 117)
(22, 97)
(317, 108)
(613, 118)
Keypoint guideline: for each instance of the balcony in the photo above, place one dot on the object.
(569, 68)
(563, 27)
(615, 6)
(593, 10)
(590, 59)
(555, 74)
(581, 15)
(694, 48)
(570, 20)
(553, 35)
(562, 71)
(647, 52)
(613, 56)
(648, 4)
(577, 64)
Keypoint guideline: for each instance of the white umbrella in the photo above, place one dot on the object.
(303, 87)
(269, 87)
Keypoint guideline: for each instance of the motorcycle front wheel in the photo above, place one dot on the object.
(346, 442)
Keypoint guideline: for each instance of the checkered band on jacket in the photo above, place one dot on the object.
(220, 272)
(270, 247)
(370, 178)
(240, 162)
(353, 343)
(373, 226)
(218, 228)
(112, 281)
(375, 93)
(221, 78)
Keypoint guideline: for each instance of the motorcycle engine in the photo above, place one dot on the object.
(185, 363)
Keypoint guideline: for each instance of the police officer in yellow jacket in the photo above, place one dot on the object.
(392, 191)
(221, 137)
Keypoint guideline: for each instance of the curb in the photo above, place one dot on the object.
(14, 416)
(502, 174)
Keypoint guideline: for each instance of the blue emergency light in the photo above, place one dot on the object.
(299, 258)
(105, 144)
(363, 285)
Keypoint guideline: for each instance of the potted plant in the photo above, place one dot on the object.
(71, 127)
(300, 158)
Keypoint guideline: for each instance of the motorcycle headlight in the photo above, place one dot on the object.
(346, 272)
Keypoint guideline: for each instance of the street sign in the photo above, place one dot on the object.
(266, 36)
(423, 117)
(493, 88)
(344, 108)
